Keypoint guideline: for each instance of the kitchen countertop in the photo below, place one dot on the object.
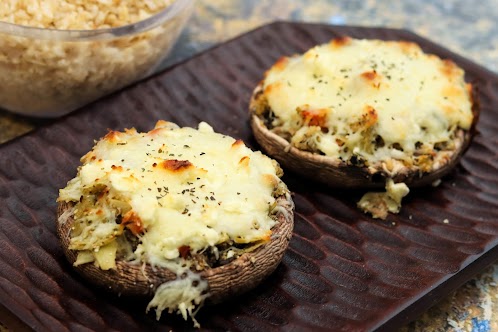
(465, 27)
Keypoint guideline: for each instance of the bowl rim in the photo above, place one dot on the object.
(168, 13)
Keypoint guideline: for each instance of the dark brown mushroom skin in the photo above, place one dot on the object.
(340, 174)
(238, 276)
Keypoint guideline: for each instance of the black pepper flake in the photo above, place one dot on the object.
(186, 146)
(121, 143)
(212, 198)
(202, 153)
(185, 211)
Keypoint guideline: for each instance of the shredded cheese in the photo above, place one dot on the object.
(379, 204)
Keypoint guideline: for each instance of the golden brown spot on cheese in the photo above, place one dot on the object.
(368, 118)
(281, 63)
(316, 118)
(161, 123)
(244, 161)
(340, 41)
(451, 91)
(155, 131)
(238, 143)
(270, 180)
(112, 136)
(117, 168)
(369, 75)
(449, 68)
(272, 87)
(372, 77)
(175, 165)
(132, 221)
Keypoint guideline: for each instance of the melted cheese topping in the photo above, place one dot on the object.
(379, 204)
(180, 191)
(369, 98)
(187, 187)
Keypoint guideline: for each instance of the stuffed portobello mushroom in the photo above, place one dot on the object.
(365, 114)
(179, 215)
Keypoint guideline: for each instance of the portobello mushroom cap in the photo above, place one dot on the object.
(337, 173)
(235, 277)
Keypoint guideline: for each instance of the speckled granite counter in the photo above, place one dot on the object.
(466, 27)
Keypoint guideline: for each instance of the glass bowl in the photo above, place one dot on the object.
(49, 72)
